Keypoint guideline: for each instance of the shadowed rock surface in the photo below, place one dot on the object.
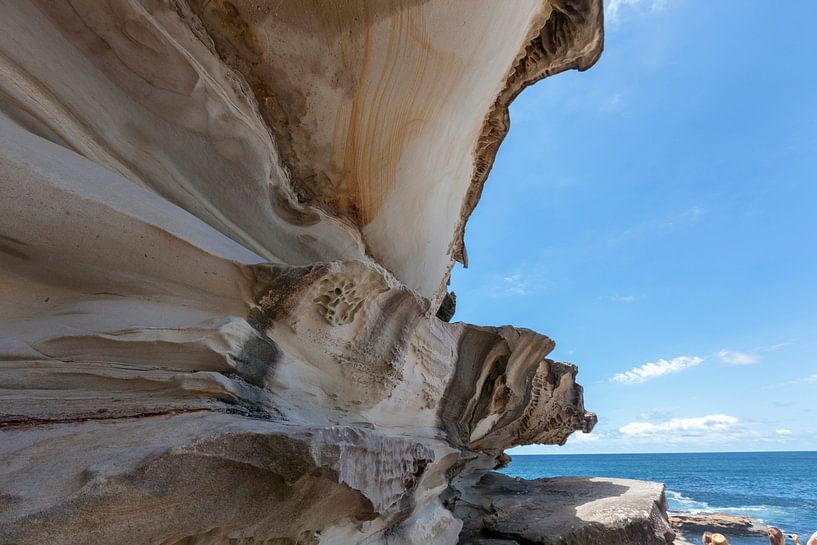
(226, 229)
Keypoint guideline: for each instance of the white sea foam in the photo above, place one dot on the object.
(681, 503)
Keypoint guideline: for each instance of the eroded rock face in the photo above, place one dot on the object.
(202, 478)
(360, 97)
(226, 230)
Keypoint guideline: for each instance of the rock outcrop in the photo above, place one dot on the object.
(226, 230)
(730, 525)
(564, 511)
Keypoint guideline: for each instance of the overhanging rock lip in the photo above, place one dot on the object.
(590, 15)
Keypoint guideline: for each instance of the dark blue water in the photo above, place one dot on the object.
(778, 488)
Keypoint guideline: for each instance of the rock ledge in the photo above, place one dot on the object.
(565, 511)
(729, 525)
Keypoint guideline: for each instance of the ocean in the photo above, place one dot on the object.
(778, 488)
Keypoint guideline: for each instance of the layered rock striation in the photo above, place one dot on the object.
(226, 230)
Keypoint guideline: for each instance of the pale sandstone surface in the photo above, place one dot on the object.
(225, 231)
(730, 525)
(564, 511)
(379, 112)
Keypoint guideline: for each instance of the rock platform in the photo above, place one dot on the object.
(564, 511)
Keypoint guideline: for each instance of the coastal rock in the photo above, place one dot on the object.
(226, 233)
(734, 525)
(385, 115)
(564, 511)
(202, 478)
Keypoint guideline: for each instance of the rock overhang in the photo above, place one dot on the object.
(226, 230)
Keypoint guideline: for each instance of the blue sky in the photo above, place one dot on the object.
(657, 217)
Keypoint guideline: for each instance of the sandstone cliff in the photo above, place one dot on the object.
(225, 232)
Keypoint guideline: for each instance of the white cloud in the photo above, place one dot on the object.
(515, 284)
(783, 431)
(734, 357)
(681, 426)
(811, 378)
(579, 437)
(614, 9)
(637, 375)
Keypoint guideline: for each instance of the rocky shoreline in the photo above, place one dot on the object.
(689, 527)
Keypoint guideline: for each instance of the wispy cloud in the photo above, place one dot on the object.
(525, 281)
(810, 379)
(515, 284)
(615, 9)
(684, 217)
(621, 298)
(651, 370)
(733, 357)
(657, 225)
(655, 414)
(783, 431)
(681, 427)
(774, 347)
(613, 103)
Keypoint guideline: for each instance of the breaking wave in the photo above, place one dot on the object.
(681, 503)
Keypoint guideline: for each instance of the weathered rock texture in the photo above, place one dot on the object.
(226, 229)
(690, 526)
(564, 511)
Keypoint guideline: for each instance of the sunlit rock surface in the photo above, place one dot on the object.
(730, 525)
(565, 511)
(226, 231)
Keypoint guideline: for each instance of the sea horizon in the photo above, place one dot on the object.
(658, 452)
(776, 488)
